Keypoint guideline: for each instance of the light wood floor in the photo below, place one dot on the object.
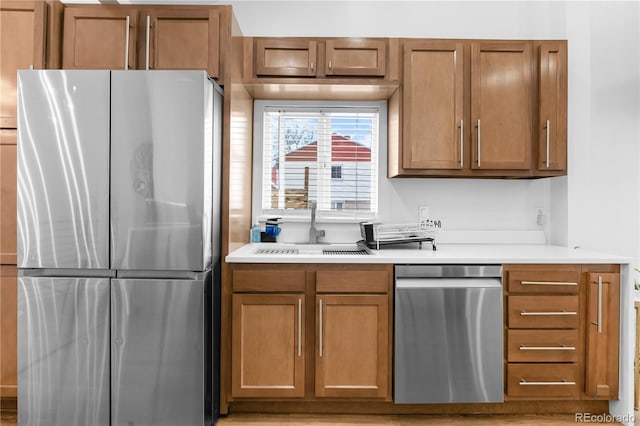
(10, 419)
(396, 420)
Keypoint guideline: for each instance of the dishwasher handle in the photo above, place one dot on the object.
(425, 283)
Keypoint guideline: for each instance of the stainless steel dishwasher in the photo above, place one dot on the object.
(448, 334)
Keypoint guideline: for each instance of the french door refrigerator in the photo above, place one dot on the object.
(118, 247)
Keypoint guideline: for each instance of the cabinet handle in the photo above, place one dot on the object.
(126, 43)
(525, 313)
(478, 130)
(599, 304)
(320, 327)
(299, 327)
(330, 67)
(547, 127)
(546, 283)
(461, 145)
(146, 52)
(547, 348)
(523, 382)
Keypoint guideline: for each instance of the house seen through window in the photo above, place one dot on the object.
(323, 154)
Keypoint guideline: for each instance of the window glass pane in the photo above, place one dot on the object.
(326, 155)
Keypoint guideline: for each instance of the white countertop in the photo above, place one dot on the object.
(446, 253)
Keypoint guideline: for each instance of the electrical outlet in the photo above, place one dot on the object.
(423, 213)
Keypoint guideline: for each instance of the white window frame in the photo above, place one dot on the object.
(302, 215)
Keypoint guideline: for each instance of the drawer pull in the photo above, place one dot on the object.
(523, 382)
(546, 283)
(525, 313)
(547, 348)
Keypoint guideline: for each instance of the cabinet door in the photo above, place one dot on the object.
(552, 122)
(355, 57)
(8, 331)
(22, 26)
(285, 57)
(433, 121)
(352, 354)
(602, 323)
(267, 345)
(8, 192)
(501, 105)
(181, 39)
(99, 38)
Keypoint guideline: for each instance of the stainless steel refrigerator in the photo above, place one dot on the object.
(118, 247)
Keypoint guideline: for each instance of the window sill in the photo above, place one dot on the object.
(319, 219)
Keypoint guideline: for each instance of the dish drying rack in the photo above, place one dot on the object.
(376, 236)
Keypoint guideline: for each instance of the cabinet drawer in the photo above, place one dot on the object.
(352, 281)
(544, 281)
(542, 346)
(269, 280)
(543, 380)
(543, 311)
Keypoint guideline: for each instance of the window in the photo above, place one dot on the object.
(336, 172)
(326, 153)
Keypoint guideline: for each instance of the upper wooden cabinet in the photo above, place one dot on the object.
(467, 109)
(501, 115)
(552, 106)
(162, 37)
(433, 105)
(360, 57)
(304, 57)
(22, 46)
(99, 38)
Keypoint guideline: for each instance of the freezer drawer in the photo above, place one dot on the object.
(158, 349)
(63, 351)
(161, 170)
(63, 169)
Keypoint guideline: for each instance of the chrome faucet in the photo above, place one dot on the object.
(314, 233)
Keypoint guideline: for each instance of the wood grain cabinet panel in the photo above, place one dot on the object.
(183, 39)
(501, 93)
(285, 57)
(543, 346)
(99, 38)
(355, 57)
(154, 38)
(352, 355)
(543, 381)
(8, 331)
(552, 105)
(603, 328)
(22, 45)
(543, 311)
(268, 345)
(8, 195)
(469, 108)
(433, 105)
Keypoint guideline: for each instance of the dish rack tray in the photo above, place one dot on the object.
(375, 236)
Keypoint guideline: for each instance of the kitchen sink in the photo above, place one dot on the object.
(313, 250)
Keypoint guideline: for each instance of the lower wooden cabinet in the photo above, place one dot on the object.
(283, 347)
(268, 345)
(8, 331)
(352, 349)
(562, 331)
(602, 324)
